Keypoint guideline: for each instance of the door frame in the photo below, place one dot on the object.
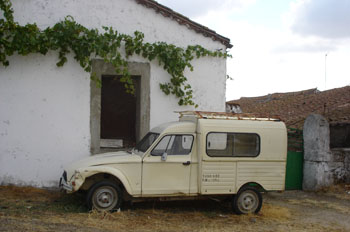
(100, 68)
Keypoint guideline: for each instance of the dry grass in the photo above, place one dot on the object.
(31, 209)
(321, 204)
(14, 192)
(340, 191)
(274, 212)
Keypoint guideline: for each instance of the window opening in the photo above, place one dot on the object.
(233, 144)
(174, 145)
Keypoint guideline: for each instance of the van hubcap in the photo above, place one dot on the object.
(248, 202)
(105, 197)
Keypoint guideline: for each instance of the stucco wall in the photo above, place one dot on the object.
(43, 119)
(44, 110)
(208, 81)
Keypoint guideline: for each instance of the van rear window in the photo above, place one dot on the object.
(233, 144)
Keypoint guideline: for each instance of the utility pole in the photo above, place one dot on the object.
(325, 71)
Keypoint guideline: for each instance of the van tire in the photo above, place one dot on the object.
(104, 196)
(247, 200)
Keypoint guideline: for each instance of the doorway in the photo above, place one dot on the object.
(118, 119)
(118, 113)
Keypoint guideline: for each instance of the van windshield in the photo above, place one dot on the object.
(146, 142)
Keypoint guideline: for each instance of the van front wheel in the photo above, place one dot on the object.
(104, 196)
(247, 200)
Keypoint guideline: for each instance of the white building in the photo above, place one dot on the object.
(50, 116)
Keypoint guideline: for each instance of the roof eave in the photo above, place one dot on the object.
(182, 20)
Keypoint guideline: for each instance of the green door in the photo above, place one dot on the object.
(295, 159)
(294, 171)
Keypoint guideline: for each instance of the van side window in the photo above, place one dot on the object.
(174, 145)
(233, 144)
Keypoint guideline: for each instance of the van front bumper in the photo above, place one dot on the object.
(63, 184)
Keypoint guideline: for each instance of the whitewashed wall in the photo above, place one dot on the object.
(45, 110)
(44, 119)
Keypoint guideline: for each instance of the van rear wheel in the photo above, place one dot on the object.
(248, 200)
(104, 196)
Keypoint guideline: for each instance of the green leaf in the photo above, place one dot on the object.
(68, 36)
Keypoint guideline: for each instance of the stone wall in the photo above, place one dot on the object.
(340, 135)
(322, 166)
(340, 165)
(317, 154)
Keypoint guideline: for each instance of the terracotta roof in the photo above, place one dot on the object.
(182, 20)
(294, 107)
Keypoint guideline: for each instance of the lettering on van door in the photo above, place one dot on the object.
(211, 178)
(218, 177)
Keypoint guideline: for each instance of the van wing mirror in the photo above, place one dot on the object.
(164, 156)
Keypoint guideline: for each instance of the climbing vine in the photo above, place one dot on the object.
(68, 36)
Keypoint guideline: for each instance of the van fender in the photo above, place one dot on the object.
(83, 173)
(256, 185)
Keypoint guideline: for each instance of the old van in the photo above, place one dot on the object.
(203, 154)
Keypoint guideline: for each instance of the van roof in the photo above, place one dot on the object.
(227, 116)
(182, 127)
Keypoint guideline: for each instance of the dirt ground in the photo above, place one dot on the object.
(30, 209)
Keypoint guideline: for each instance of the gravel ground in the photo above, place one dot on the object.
(30, 209)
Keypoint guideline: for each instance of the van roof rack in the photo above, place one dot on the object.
(228, 116)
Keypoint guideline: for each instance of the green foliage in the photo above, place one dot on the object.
(68, 36)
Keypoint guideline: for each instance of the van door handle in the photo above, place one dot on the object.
(187, 163)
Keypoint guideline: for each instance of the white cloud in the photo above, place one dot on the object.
(322, 18)
(268, 59)
(307, 46)
(196, 8)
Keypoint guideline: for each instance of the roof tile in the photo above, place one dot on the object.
(294, 107)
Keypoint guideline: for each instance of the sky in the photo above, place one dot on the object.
(278, 45)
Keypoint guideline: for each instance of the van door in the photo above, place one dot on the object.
(230, 161)
(166, 169)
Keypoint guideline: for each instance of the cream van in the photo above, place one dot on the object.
(203, 154)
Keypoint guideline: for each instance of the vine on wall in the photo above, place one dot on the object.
(68, 36)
